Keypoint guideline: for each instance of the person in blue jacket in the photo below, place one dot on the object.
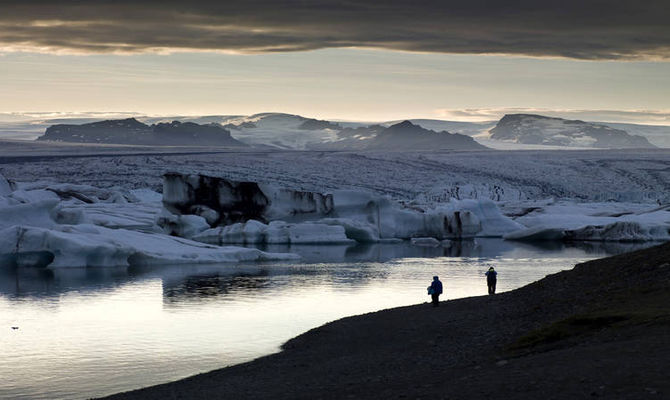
(491, 280)
(435, 290)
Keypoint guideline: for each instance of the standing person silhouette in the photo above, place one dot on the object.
(435, 290)
(491, 280)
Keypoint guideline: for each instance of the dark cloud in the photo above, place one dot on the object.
(586, 29)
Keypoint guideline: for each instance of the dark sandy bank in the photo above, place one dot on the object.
(601, 329)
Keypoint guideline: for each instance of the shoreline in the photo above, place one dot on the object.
(588, 331)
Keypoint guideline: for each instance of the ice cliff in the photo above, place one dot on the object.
(251, 212)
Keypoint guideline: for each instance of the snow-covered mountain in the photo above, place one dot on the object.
(283, 131)
(538, 129)
(437, 125)
(658, 135)
(290, 131)
(132, 131)
(401, 136)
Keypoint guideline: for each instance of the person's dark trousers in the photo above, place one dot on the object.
(436, 299)
(492, 288)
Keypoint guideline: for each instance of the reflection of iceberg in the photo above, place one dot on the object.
(202, 280)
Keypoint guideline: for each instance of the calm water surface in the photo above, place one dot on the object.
(91, 332)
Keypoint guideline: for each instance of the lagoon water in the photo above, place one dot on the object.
(91, 332)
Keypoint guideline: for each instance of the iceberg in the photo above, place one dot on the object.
(94, 246)
(428, 242)
(276, 232)
(616, 222)
(622, 231)
(358, 215)
(37, 214)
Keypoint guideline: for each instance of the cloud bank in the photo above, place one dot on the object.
(647, 117)
(578, 29)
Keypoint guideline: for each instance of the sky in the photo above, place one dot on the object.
(364, 60)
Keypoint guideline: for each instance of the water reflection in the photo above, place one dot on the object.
(87, 332)
(220, 280)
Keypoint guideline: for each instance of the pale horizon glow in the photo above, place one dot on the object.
(336, 84)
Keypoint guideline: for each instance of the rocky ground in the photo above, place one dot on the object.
(599, 330)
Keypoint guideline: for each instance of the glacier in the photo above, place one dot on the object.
(315, 197)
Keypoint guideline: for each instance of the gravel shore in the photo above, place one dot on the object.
(601, 329)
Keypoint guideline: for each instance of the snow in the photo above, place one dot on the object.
(280, 131)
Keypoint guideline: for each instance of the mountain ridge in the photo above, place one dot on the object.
(132, 131)
(294, 132)
(538, 129)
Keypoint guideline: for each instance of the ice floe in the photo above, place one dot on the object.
(610, 221)
(94, 246)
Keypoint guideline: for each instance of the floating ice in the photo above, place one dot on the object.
(594, 222)
(623, 231)
(146, 195)
(37, 214)
(33, 196)
(364, 217)
(277, 232)
(427, 241)
(93, 246)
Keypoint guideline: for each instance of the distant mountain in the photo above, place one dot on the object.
(132, 131)
(538, 129)
(658, 135)
(402, 136)
(282, 131)
(290, 131)
(437, 125)
(316, 124)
